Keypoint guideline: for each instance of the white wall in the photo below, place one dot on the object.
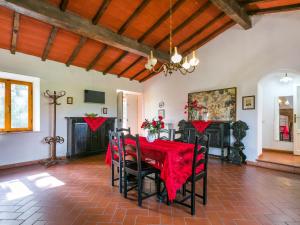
(235, 58)
(21, 147)
(272, 89)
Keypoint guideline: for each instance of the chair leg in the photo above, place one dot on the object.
(193, 198)
(120, 179)
(140, 190)
(158, 184)
(184, 190)
(112, 175)
(125, 184)
(205, 190)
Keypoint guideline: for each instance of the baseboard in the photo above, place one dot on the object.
(27, 163)
(275, 166)
(276, 150)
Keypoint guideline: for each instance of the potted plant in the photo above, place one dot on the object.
(239, 129)
(152, 128)
(194, 109)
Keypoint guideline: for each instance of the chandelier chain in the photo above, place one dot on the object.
(171, 21)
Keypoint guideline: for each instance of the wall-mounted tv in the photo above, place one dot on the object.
(94, 96)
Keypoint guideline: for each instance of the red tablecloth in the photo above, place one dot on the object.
(201, 125)
(94, 122)
(174, 159)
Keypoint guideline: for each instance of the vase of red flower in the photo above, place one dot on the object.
(194, 110)
(152, 128)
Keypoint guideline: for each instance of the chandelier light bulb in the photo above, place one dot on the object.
(194, 61)
(176, 58)
(186, 64)
(152, 61)
(286, 79)
(148, 66)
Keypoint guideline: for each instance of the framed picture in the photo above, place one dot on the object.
(220, 103)
(248, 102)
(161, 112)
(70, 100)
(104, 110)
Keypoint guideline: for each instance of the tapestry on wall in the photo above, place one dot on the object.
(220, 104)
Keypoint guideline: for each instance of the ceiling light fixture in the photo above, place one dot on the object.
(285, 79)
(177, 62)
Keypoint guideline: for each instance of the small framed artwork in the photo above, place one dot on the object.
(161, 112)
(70, 100)
(104, 110)
(248, 102)
(161, 104)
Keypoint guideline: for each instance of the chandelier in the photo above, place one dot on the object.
(177, 62)
(285, 79)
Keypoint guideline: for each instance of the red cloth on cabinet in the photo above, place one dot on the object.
(94, 122)
(201, 125)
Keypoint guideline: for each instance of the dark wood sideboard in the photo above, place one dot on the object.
(218, 131)
(82, 141)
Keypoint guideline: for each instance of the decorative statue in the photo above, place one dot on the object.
(239, 132)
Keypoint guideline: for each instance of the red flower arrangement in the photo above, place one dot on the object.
(193, 106)
(153, 126)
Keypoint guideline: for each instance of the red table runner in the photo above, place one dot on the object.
(94, 122)
(201, 125)
(173, 159)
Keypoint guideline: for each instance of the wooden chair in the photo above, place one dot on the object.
(201, 147)
(116, 158)
(189, 135)
(174, 135)
(123, 130)
(139, 169)
(164, 134)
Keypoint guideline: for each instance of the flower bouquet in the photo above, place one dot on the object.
(194, 109)
(153, 127)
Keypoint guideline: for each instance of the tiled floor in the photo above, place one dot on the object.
(280, 157)
(79, 193)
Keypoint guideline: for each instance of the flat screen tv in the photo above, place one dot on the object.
(94, 96)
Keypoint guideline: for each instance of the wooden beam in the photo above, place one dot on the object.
(161, 20)
(137, 74)
(131, 65)
(185, 23)
(48, 13)
(209, 37)
(15, 32)
(115, 62)
(234, 11)
(76, 50)
(203, 28)
(276, 9)
(63, 5)
(148, 77)
(136, 12)
(101, 11)
(98, 56)
(49, 43)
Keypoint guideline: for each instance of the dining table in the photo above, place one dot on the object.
(173, 159)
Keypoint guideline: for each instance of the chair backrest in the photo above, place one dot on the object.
(189, 135)
(123, 130)
(201, 147)
(164, 134)
(115, 146)
(137, 148)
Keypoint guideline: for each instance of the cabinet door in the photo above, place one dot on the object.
(94, 140)
(80, 138)
(215, 137)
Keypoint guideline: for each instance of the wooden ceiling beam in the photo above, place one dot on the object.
(165, 16)
(101, 11)
(63, 5)
(15, 32)
(147, 77)
(203, 28)
(234, 11)
(136, 12)
(209, 37)
(49, 42)
(48, 13)
(276, 9)
(185, 23)
(130, 66)
(137, 74)
(76, 50)
(98, 56)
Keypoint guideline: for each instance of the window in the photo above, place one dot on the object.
(15, 105)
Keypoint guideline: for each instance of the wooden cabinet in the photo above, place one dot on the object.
(219, 133)
(82, 141)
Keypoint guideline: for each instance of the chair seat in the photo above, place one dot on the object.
(132, 168)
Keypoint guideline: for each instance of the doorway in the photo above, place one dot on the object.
(130, 110)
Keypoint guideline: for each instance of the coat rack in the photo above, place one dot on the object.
(53, 140)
